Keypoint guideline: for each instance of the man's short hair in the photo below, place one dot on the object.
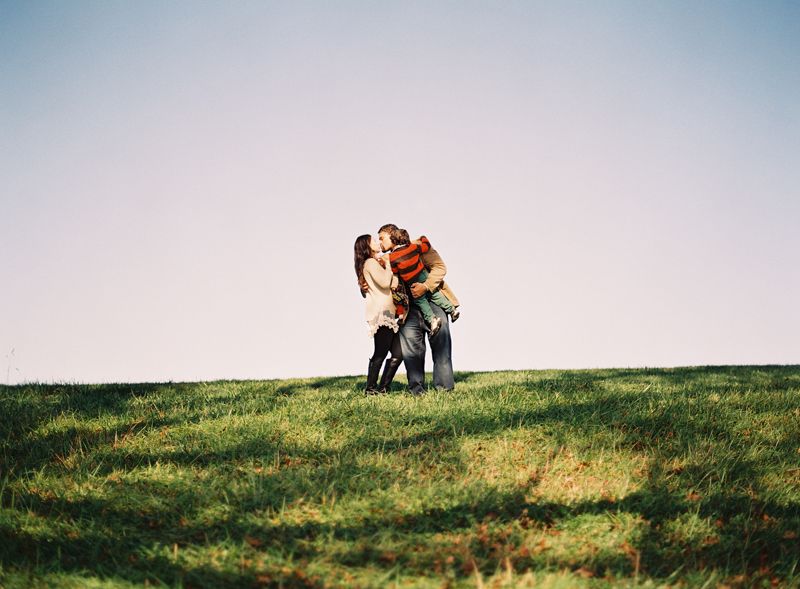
(395, 233)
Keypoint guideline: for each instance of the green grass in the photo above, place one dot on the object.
(619, 478)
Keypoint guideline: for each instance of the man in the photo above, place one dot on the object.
(412, 332)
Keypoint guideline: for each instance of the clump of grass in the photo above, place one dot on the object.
(589, 478)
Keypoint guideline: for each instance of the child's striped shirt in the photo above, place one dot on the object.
(406, 261)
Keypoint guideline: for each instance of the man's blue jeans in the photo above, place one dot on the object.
(412, 340)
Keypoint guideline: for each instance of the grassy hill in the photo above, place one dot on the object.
(652, 477)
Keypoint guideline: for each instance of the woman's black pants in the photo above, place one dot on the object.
(385, 341)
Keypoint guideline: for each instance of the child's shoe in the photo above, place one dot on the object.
(454, 315)
(435, 326)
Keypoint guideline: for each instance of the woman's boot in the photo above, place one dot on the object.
(372, 377)
(389, 370)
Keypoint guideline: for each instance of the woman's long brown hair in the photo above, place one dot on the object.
(361, 253)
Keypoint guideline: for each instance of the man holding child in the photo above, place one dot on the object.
(412, 331)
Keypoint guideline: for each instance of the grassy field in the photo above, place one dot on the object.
(619, 478)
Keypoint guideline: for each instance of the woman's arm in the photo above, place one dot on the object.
(380, 275)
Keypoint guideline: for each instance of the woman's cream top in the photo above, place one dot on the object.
(380, 306)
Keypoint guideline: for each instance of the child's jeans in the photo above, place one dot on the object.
(437, 297)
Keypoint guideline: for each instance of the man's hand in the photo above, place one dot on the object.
(418, 289)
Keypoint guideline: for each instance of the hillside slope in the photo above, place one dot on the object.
(528, 478)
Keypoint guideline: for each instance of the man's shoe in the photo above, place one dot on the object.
(455, 315)
(436, 325)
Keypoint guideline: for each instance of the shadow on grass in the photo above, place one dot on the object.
(28, 407)
(341, 383)
(31, 453)
(706, 379)
(751, 535)
(143, 407)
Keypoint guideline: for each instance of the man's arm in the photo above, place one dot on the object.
(436, 269)
(436, 272)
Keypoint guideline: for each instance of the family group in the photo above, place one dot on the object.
(406, 300)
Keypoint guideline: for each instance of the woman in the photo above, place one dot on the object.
(375, 281)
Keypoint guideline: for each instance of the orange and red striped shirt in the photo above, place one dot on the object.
(406, 261)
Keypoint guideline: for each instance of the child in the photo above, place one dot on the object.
(406, 263)
(443, 288)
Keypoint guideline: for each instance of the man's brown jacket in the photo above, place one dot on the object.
(436, 271)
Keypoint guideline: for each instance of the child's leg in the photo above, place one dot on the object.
(441, 300)
(424, 306)
(437, 297)
(422, 302)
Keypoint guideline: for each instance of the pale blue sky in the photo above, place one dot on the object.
(610, 183)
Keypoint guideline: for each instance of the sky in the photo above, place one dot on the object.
(611, 184)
